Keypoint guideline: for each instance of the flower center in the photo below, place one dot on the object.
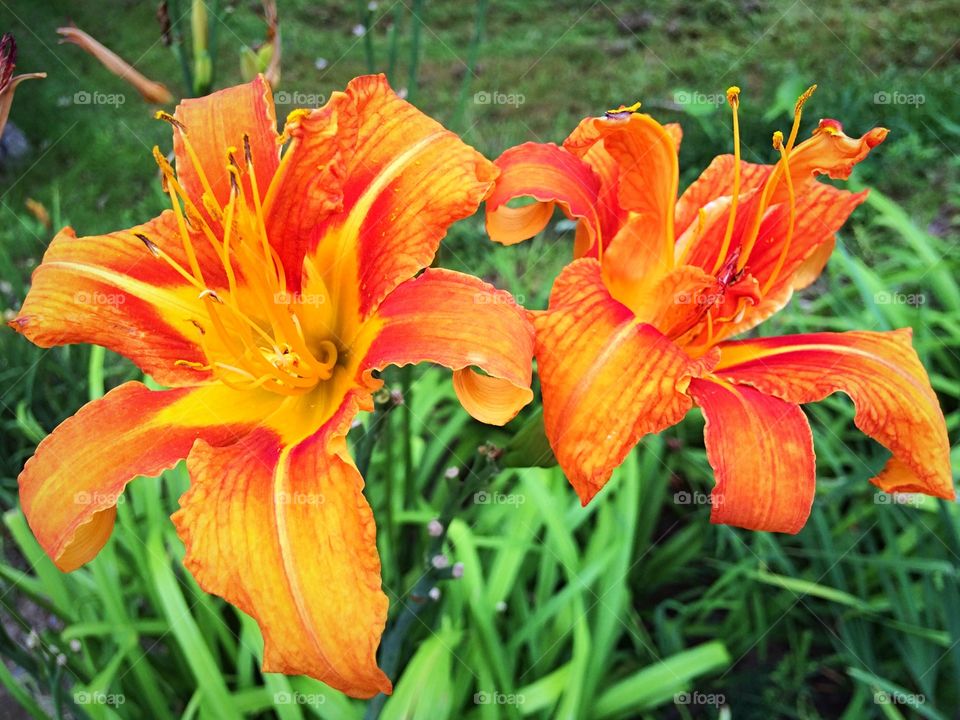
(254, 332)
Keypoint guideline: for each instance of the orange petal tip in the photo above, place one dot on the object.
(876, 136)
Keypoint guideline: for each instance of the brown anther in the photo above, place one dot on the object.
(151, 246)
(167, 117)
(247, 154)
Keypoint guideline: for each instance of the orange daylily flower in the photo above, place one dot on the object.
(637, 327)
(265, 299)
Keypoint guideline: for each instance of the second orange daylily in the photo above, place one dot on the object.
(637, 327)
(265, 299)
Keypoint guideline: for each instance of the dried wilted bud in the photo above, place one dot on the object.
(39, 212)
(8, 83)
(166, 29)
(153, 92)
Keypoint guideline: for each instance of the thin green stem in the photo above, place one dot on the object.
(478, 475)
(394, 47)
(479, 28)
(366, 22)
(415, 49)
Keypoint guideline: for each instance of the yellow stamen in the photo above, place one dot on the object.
(188, 146)
(785, 158)
(773, 180)
(733, 97)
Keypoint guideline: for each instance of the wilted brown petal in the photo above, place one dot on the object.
(152, 92)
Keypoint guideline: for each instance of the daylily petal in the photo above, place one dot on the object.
(761, 450)
(829, 152)
(219, 121)
(607, 380)
(284, 533)
(702, 241)
(549, 174)
(110, 290)
(407, 180)
(459, 321)
(716, 182)
(881, 372)
(646, 156)
(821, 212)
(70, 487)
(308, 186)
(587, 144)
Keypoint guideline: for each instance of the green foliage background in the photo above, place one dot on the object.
(620, 610)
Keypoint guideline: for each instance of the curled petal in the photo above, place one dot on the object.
(219, 121)
(606, 380)
(110, 290)
(461, 322)
(761, 449)
(881, 372)
(284, 533)
(550, 175)
(646, 156)
(829, 152)
(70, 487)
(407, 179)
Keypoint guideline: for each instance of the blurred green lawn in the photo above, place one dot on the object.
(598, 613)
